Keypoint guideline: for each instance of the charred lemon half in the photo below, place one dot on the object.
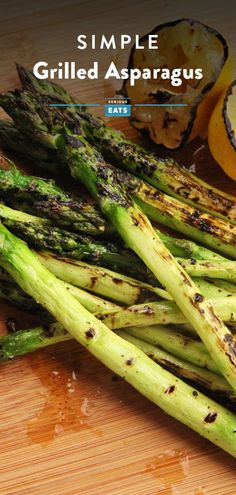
(222, 131)
(199, 55)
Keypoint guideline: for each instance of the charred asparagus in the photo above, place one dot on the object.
(174, 396)
(164, 174)
(49, 200)
(212, 231)
(64, 133)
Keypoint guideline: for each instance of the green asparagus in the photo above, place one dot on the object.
(42, 234)
(184, 248)
(224, 285)
(178, 247)
(23, 342)
(205, 416)
(178, 344)
(13, 140)
(101, 281)
(62, 132)
(216, 233)
(45, 197)
(164, 174)
(212, 269)
(35, 116)
(152, 313)
(165, 313)
(212, 384)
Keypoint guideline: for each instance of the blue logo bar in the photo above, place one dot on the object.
(117, 110)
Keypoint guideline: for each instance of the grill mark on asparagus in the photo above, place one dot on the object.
(214, 226)
(198, 298)
(170, 390)
(90, 333)
(211, 417)
(144, 164)
(146, 310)
(130, 362)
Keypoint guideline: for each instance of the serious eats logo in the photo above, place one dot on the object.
(117, 107)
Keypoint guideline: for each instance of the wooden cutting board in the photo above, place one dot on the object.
(67, 425)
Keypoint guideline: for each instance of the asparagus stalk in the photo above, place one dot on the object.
(64, 133)
(224, 285)
(205, 416)
(159, 207)
(23, 342)
(159, 312)
(105, 283)
(42, 234)
(47, 199)
(14, 141)
(30, 82)
(164, 313)
(164, 174)
(178, 344)
(212, 384)
(212, 269)
(178, 247)
(184, 248)
(101, 281)
(203, 227)
(212, 290)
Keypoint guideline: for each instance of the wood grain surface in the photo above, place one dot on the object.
(67, 425)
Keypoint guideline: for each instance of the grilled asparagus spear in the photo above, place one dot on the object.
(211, 269)
(13, 140)
(42, 235)
(64, 133)
(151, 313)
(165, 313)
(171, 394)
(164, 174)
(212, 384)
(48, 199)
(184, 248)
(101, 281)
(173, 341)
(215, 232)
(178, 344)
(23, 342)
(98, 280)
(178, 247)
(10, 191)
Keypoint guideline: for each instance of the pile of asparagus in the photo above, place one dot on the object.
(157, 310)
